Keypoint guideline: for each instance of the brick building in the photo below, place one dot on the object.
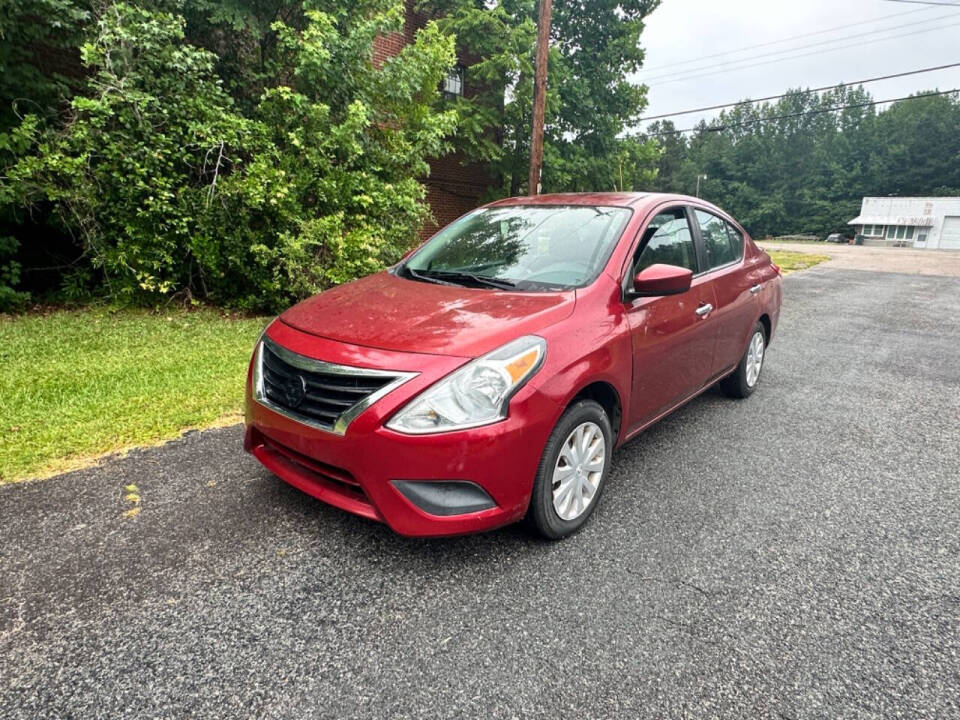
(454, 186)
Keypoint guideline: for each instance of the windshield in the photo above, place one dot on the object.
(533, 247)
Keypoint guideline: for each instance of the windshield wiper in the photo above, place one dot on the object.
(459, 276)
(425, 278)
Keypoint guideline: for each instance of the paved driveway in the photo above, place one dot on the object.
(796, 555)
(879, 259)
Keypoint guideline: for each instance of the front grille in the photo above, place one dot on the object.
(321, 394)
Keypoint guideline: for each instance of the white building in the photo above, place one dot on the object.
(920, 222)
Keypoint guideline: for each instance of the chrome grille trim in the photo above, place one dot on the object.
(339, 422)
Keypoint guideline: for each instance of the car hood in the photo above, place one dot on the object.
(392, 313)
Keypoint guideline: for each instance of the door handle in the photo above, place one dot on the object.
(755, 289)
(704, 310)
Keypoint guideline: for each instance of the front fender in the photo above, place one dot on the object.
(608, 359)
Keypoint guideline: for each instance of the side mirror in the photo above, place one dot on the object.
(661, 279)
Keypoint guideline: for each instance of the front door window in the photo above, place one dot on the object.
(668, 241)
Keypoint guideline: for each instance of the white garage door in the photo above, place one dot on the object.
(950, 237)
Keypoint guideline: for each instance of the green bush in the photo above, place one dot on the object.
(173, 190)
(26, 26)
(11, 300)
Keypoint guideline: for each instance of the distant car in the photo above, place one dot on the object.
(489, 375)
(837, 238)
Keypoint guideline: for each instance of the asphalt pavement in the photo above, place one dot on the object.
(915, 261)
(794, 555)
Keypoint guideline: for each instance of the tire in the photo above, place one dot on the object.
(737, 384)
(543, 513)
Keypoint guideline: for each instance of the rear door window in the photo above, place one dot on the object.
(716, 240)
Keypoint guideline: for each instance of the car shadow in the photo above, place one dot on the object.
(370, 538)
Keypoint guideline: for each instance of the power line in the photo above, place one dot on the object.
(926, 2)
(855, 36)
(802, 55)
(813, 90)
(845, 26)
(822, 111)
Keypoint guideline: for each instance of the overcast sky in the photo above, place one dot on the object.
(844, 41)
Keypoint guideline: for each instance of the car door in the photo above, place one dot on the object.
(733, 283)
(673, 336)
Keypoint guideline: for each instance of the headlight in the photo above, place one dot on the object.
(477, 394)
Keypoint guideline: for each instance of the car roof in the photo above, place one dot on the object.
(616, 199)
(623, 199)
(641, 201)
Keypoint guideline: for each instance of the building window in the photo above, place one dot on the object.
(453, 84)
(900, 232)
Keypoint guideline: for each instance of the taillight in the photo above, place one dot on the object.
(776, 268)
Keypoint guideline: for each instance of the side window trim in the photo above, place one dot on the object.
(703, 266)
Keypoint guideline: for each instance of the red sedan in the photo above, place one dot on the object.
(489, 375)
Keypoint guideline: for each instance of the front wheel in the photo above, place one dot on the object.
(743, 381)
(572, 471)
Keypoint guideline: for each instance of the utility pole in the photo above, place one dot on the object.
(698, 183)
(539, 95)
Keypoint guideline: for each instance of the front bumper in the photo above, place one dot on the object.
(355, 471)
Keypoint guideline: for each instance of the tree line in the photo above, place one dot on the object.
(248, 153)
(798, 167)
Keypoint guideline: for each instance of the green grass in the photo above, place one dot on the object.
(75, 385)
(790, 261)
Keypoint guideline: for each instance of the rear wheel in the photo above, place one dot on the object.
(572, 471)
(743, 381)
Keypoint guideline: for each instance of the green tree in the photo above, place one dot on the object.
(675, 172)
(591, 99)
(30, 32)
(337, 182)
(127, 171)
(37, 39)
(598, 50)
(172, 188)
(243, 35)
(921, 140)
(797, 166)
